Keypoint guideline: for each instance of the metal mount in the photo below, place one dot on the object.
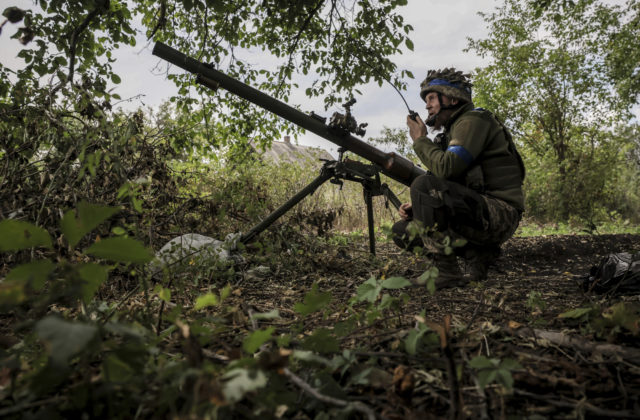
(346, 122)
(336, 171)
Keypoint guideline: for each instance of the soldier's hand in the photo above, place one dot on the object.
(405, 211)
(417, 128)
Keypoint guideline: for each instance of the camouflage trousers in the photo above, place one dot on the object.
(444, 211)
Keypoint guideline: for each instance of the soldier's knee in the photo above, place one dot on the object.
(425, 183)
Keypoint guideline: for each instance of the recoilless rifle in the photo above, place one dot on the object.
(338, 130)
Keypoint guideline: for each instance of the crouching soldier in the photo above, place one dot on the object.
(473, 187)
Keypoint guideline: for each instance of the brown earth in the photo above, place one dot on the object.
(513, 315)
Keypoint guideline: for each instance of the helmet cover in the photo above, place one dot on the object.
(449, 82)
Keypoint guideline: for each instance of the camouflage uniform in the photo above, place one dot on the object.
(473, 189)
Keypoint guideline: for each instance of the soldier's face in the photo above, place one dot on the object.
(433, 104)
(436, 118)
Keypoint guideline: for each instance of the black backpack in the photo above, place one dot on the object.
(617, 274)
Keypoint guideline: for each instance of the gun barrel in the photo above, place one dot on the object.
(394, 166)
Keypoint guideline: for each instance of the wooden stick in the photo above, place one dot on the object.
(357, 405)
(601, 412)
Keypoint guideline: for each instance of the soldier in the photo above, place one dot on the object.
(473, 187)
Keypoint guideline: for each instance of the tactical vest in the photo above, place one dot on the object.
(500, 176)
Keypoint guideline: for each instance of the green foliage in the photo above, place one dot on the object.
(257, 338)
(97, 336)
(331, 44)
(121, 249)
(88, 217)
(206, 300)
(93, 276)
(428, 278)
(550, 78)
(535, 301)
(494, 370)
(64, 339)
(528, 227)
(414, 340)
(577, 313)
(369, 291)
(396, 139)
(606, 321)
(313, 301)
(16, 235)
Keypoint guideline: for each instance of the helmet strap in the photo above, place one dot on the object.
(431, 121)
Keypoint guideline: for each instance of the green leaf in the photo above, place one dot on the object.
(205, 301)
(64, 339)
(409, 43)
(482, 362)
(505, 378)
(34, 274)
(486, 376)
(575, 313)
(117, 370)
(368, 291)
(321, 341)
(121, 249)
(16, 235)
(239, 381)
(313, 301)
(395, 283)
(257, 338)
(458, 243)
(411, 341)
(117, 230)
(77, 223)
(93, 275)
(163, 293)
(623, 315)
(429, 278)
(225, 292)
(115, 79)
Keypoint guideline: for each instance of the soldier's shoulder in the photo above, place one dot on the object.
(475, 116)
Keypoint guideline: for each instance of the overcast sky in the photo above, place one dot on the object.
(441, 28)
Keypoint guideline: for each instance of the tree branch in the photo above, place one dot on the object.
(357, 405)
(100, 7)
(296, 41)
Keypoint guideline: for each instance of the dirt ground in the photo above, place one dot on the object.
(565, 369)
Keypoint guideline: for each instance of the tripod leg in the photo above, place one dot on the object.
(372, 239)
(389, 195)
(324, 176)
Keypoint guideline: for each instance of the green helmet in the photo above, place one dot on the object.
(449, 82)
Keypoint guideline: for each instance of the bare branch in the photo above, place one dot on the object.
(357, 405)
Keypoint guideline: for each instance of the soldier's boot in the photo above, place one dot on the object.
(449, 273)
(478, 260)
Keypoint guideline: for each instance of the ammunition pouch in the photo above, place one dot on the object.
(429, 209)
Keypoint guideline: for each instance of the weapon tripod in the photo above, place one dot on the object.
(336, 171)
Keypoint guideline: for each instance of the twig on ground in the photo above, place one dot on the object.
(622, 414)
(124, 299)
(357, 405)
(564, 340)
(25, 406)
